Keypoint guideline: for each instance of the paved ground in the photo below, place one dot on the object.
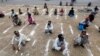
(51, 2)
(40, 44)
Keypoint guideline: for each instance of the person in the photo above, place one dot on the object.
(36, 11)
(1, 14)
(47, 12)
(86, 23)
(66, 3)
(96, 9)
(91, 17)
(45, 5)
(89, 4)
(12, 13)
(81, 40)
(99, 29)
(30, 20)
(61, 12)
(55, 12)
(71, 12)
(16, 20)
(60, 44)
(49, 27)
(19, 40)
(20, 12)
(60, 3)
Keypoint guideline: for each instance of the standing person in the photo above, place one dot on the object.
(45, 5)
(60, 3)
(30, 20)
(18, 41)
(49, 27)
(61, 12)
(55, 12)
(60, 44)
(20, 11)
(35, 11)
(71, 12)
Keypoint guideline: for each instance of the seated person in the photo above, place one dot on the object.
(99, 29)
(96, 9)
(81, 40)
(2, 14)
(36, 11)
(60, 44)
(12, 13)
(71, 12)
(16, 21)
(49, 27)
(20, 12)
(89, 4)
(91, 17)
(19, 40)
(55, 12)
(47, 11)
(61, 12)
(60, 3)
(85, 23)
(45, 5)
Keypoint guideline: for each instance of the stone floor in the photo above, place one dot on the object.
(41, 43)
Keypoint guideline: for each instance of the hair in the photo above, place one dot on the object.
(61, 38)
(15, 32)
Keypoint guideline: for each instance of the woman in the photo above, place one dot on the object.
(49, 27)
(30, 19)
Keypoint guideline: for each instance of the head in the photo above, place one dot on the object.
(29, 14)
(83, 32)
(16, 33)
(35, 7)
(72, 8)
(16, 15)
(60, 37)
(12, 10)
(49, 22)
